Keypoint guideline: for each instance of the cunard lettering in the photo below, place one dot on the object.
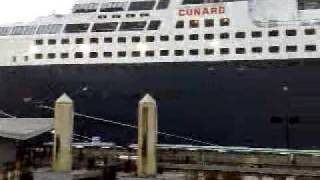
(200, 11)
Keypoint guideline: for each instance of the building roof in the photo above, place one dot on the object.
(24, 128)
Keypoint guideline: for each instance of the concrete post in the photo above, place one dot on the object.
(63, 124)
(147, 137)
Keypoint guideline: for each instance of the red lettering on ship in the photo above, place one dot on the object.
(201, 11)
(182, 12)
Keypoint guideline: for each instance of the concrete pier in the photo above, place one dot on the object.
(147, 137)
(63, 128)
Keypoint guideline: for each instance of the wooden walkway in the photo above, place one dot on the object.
(285, 171)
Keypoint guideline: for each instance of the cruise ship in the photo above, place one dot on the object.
(228, 72)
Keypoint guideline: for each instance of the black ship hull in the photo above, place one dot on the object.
(256, 103)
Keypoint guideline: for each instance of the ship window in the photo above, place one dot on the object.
(23, 30)
(163, 4)
(85, 8)
(208, 51)
(179, 37)
(94, 40)
(135, 53)
(192, 1)
(122, 39)
(4, 31)
(194, 37)
(224, 22)
(116, 16)
(256, 49)
(164, 52)
(310, 48)
(273, 33)
(65, 41)
(113, 6)
(64, 55)
(49, 29)
(164, 38)
(104, 27)
(144, 14)
(133, 26)
(208, 36)
(291, 32)
(28, 30)
(76, 28)
(194, 23)
(308, 4)
(51, 55)
(149, 53)
(38, 56)
(240, 50)
(149, 38)
(224, 36)
(78, 55)
(208, 22)
(108, 40)
(309, 31)
(102, 16)
(136, 39)
(122, 54)
(52, 42)
(179, 52)
(194, 52)
(14, 58)
(204, 1)
(79, 40)
(141, 5)
(180, 24)
(224, 51)
(26, 58)
(39, 42)
(256, 34)
(107, 54)
(291, 48)
(93, 55)
(274, 49)
(130, 15)
(154, 25)
(240, 35)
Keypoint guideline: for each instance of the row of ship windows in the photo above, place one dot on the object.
(81, 28)
(138, 25)
(208, 36)
(207, 23)
(151, 53)
(127, 15)
(103, 27)
(121, 6)
(132, 26)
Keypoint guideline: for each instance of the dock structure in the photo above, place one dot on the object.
(14, 133)
(146, 160)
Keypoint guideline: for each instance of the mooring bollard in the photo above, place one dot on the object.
(63, 124)
(147, 137)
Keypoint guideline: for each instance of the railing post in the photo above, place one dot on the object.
(147, 137)
(63, 124)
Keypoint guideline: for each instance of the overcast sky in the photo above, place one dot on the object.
(26, 10)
